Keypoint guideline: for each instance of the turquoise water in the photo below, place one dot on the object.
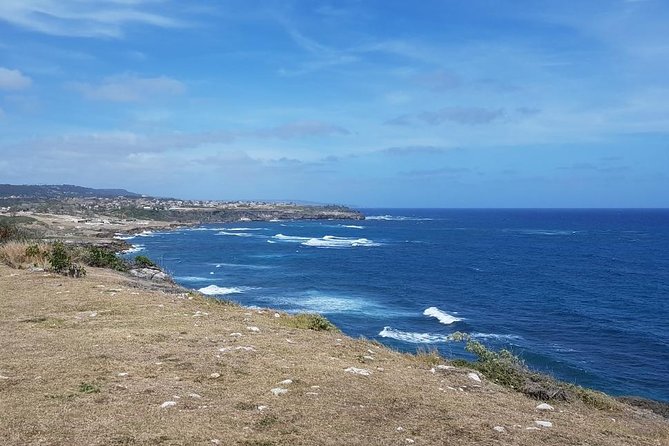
(581, 294)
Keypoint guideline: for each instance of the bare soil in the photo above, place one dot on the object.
(91, 361)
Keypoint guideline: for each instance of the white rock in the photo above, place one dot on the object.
(445, 367)
(369, 358)
(194, 395)
(277, 315)
(278, 391)
(531, 428)
(285, 382)
(311, 393)
(499, 429)
(4, 377)
(253, 329)
(168, 404)
(235, 334)
(215, 375)
(542, 423)
(410, 441)
(357, 371)
(400, 429)
(544, 406)
(261, 408)
(474, 377)
(123, 374)
(215, 441)
(290, 341)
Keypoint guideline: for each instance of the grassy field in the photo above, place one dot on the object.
(102, 360)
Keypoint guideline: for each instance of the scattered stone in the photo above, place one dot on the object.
(445, 367)
(194, 395)
(285, 382)
(499, 429)
(410, 441)
(290, 341)
(531, 428)
(244, 348)
(215, 441)
(541, 423)
(400, 429)
(544, 406)
(357, 371)
(215, 375)
(315, 387)
(123, 374)
(311, 393)
(236, 334)
(277, 315)
(261, 408)
(152, 274)
(200, 314)
(253, 329)
(369, 358)
(380, 369)
(4, 377)
(474, 377)
(279, 391)
(168, 404)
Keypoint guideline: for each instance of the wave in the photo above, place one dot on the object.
(352, 226)
(124, 237)
(546, 232)
(442, 316)
(146, 234)
(237, 234)
(214, 290)
(194, 279)
(243, 265)
(396, 218)
(495, 336)
(290, 238)
(246, 229)
(135, 248)
(330, 241)
(415, 338)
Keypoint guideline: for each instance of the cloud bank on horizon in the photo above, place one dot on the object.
(374, 103)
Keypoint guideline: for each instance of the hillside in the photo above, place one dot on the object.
(104, 360)
(53, 191)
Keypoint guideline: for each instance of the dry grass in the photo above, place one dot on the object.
(90, 361)
(24, 255)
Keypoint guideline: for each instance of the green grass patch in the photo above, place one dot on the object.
(88, 388)
(309, 321)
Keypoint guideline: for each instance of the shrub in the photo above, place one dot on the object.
(144, 262)
(310, 321)
(102, 257)
(506, 369)
(59, 258)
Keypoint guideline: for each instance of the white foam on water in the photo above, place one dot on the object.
(246, 229)
(124, 237)
(495, 336)
(395, 218)
(290, 238)
(441, 316)
(194, 279)
(135, 248)
(146, 234)
(237, 234)
(547, 232)
(214, 290)
(353, 226)
(243, 266)
(415, 338)
(331, 241)
(271, 241)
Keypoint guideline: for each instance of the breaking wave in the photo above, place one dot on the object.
(415, 338)
(396, 218)
(214, 290)
(441, 316)
(328, 241)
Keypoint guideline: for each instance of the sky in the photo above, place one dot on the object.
(370, 103)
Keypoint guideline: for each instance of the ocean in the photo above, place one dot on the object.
(580, 294)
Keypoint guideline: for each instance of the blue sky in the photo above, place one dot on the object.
(371, 103)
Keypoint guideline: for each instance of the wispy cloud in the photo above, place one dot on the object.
(457, 115)
(102, 18)
(300, 129)
(413, 150)
(130, 88)
(13, 79)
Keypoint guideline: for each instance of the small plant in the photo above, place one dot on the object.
(33, 250)
(88, 388)
(144, 262)
(310, 321)
(59, 258)
(430, 357)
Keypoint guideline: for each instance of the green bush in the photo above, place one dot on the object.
(101, 257)
(144, 262)
(310, 321)
(59, 258)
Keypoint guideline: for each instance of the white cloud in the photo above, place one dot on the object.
(13, 79)
(130, 88)
(100, 18)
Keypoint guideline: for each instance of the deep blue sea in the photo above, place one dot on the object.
(581, 294)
